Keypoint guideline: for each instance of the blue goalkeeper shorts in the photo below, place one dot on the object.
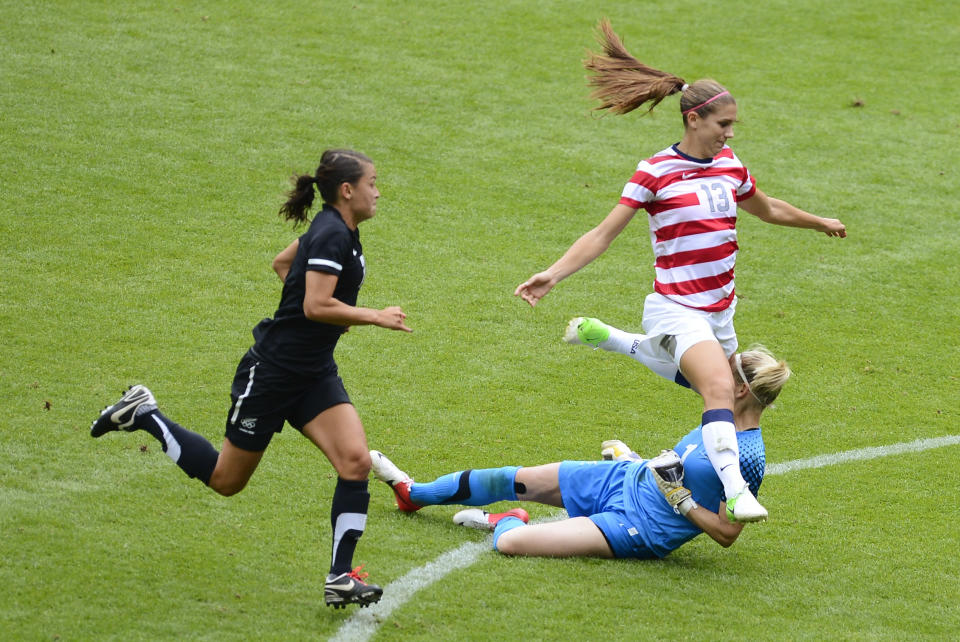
(594, 489)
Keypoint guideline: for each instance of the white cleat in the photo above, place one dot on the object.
(570, 334)
(484, 521)
(744, 507)
(385, 470)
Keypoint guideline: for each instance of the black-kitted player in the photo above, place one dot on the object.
(289, 374)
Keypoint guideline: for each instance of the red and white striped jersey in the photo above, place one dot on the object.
(692, 207)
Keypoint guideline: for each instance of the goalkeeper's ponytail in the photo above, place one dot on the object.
(765, 373)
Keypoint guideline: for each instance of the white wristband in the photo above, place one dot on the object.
(687, 505)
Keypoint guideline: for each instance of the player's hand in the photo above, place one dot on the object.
(670, 481)
(833, 227)
(672, 490)
(535, 288)
(392, 318)
(616, 450)
(676, 494)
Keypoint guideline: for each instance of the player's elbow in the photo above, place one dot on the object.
(316, 309)
(725, 539)
(317, 313)
(776, 212)
(600, 238)
(311, 311)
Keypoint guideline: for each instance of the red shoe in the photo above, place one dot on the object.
(386, 471)
(478, 518)
(401, 492)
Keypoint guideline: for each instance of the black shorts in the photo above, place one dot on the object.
(264, 396)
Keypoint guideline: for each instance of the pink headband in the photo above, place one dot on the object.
(705, 103)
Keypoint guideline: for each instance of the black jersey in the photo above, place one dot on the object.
(290, 339)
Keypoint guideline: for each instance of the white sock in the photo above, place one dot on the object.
(642, 348)
(720, 442)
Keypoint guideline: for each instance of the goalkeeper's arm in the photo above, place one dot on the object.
(723, 532)
(716, 525)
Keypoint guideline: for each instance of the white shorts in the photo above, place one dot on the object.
(672, 329)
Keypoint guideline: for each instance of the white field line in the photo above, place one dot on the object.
(361, 626)
(364, 622)
(863, 453)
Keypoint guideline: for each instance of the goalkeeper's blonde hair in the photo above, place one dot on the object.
(764, 372)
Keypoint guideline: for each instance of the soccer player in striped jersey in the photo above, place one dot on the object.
(690, 192)
(289, 374)
(626, 508)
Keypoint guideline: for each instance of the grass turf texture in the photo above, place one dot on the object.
(146, 147)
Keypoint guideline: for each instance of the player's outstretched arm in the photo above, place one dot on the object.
(319, 304)
(583, 251)
(778, 212)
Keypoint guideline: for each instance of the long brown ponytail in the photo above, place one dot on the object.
(622, 83)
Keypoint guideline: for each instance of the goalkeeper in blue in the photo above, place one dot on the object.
(623, 506)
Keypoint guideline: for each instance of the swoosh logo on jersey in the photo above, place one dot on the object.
(688, 175)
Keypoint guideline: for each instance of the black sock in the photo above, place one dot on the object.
(348, 516)
(191, 452)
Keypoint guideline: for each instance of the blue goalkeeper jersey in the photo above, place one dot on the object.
(664, 528)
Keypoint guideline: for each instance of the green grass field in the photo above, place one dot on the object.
(146, 149)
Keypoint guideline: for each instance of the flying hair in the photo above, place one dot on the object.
(621, 82)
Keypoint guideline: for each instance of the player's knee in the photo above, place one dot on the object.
(717, 391)
(228, 491)
(354, 464)
(510, 542)
(227, 487)
(505, 545)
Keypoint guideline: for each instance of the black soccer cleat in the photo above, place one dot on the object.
(349, 588)
(121, 415)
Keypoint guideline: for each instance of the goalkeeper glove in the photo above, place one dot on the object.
(667, 471)
(617, 450)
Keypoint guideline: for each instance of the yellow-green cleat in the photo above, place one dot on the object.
(586, 331)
